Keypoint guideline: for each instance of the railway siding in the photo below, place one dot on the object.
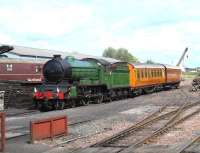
(146, 131)
(120, 115)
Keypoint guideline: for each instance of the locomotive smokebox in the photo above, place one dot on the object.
(56, 69)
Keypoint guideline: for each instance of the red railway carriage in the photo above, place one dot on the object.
(22, 71)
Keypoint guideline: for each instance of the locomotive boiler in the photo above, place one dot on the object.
(69, 70)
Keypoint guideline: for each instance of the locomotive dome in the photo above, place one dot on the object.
(56, 69)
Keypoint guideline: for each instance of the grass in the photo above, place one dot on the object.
(190, 75)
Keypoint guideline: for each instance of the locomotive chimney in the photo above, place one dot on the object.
(57, 56)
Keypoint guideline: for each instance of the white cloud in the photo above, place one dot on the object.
(45, 21)
(154, 29)
(163, 43)
(6, 39)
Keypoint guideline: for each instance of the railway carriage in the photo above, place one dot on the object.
(81, 82)
(20, 71)
(146, 77)
(173, 75)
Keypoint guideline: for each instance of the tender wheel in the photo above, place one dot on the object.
(139, 92)
(99, 99)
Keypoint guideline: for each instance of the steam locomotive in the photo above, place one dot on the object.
(70, 82)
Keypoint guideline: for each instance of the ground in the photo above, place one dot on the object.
(98, 120)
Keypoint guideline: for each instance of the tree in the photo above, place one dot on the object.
(109, 52)
(120, 54)
(150, 61)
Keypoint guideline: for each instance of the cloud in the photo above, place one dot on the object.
(6, 39)
(162, 43)
(50, 21)
(157, 30)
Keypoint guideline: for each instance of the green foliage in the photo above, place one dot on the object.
(190, 75)
(120, 54)
(109, 52)
(150, 62)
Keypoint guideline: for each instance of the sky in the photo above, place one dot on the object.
(150, 29)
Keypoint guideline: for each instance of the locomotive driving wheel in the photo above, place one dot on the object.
(84, 102)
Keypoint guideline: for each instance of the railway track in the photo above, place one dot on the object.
(148, 129)
(189, 144)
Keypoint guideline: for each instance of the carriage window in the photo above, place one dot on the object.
(142, 73)
(138, 74)
(145, 73)
(38, 69)
(9, 67)
(155, 75)
(149, 73)
(152, 74)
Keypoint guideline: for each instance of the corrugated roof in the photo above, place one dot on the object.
(11, 60)
(27, 51)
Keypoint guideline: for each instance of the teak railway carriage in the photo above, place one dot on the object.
(71, 82)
